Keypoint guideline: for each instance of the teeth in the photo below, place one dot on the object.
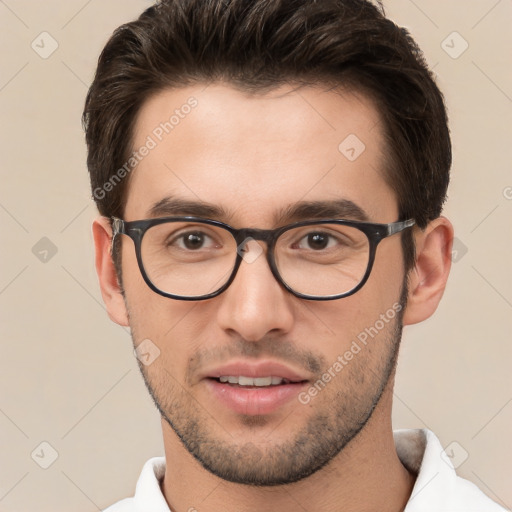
(262, 381)
(246, 381)
(252, 381)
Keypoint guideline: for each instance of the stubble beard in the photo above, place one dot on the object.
(343, 409)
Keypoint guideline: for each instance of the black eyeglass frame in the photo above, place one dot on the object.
(373, 231)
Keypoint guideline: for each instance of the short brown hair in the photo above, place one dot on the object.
(256, 46)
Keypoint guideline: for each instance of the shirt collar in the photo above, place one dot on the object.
(148, 493)
(421, 453)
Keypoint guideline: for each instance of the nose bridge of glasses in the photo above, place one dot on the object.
(249, 248)
(246, 235)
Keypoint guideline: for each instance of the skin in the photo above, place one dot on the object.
(254, 155)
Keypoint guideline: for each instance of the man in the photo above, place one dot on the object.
(270, 177)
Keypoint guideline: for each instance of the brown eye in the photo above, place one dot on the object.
(317, 241)
(193, 240)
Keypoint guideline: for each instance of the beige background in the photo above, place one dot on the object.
(67, 374)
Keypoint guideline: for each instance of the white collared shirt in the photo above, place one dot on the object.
(437, 487)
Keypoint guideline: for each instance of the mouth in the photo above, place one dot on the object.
(254, 382)
(254, 389)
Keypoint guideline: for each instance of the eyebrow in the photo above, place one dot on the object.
(331, 209)
(302, 210)
(169, 206)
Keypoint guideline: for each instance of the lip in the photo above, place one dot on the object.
(262, 369)
(254, 400)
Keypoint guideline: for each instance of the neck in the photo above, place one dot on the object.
(366, 476)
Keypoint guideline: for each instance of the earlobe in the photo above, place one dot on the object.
(107, 276)
(427, 280)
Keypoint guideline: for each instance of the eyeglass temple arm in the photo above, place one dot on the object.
(396, 227)
(117, 227)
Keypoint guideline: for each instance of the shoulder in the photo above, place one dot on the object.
(437, 486)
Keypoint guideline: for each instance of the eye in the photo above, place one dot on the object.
(317, 241)
(193, 240)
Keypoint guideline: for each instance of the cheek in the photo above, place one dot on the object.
(151, 315)
(386, 279)
(175, 327)
(367, 316)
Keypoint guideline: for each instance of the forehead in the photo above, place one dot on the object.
(254, 155)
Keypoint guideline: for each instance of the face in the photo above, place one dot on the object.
(247, 159)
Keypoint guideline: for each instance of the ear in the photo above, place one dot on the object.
(427, 280)
(110, 289)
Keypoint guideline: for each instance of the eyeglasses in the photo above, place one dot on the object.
(191, 258)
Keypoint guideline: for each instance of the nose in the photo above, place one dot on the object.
(255, 304)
